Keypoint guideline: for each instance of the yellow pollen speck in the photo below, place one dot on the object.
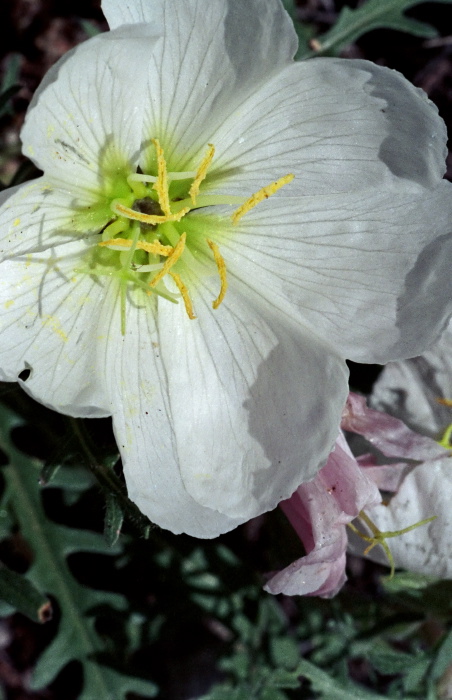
(201, 172)
(185, 296)
(258, 197)
(54, 326)
(16, 222)
(152, 219)
(172, 260)
(161, 186)
(155, 247)
(9, 303)
(221, 271)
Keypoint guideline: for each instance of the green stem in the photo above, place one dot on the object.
(111, 483)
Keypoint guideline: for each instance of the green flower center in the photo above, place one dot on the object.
(149, 236)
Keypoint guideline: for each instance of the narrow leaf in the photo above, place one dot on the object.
(373, 14)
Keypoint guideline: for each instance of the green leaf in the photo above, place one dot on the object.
(373, 14)
(284, 652)
(5, 98)
(52, 543)
(331, 688)
(89, 28)
(442, 661)
(10, 85)
(389, 661)
(114, 516)
(17, 591)
(406, 581)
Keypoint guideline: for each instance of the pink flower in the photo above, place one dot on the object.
(320, 510)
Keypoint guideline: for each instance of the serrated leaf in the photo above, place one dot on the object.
(20, 593)
(52, 543)
(331, 688)
(373, 14)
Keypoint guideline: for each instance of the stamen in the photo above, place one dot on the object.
(161, 185)
(221, 271)
(446, 438)
(445, 402)
(153, 219)
(155, 247)
(185, 296)
(201, 173)
(380, 537)
(258, 197)
(172, 260)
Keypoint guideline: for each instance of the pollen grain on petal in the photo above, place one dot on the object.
(259, 196)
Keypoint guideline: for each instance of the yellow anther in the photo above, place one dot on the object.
(172, 260)
(161, 185)
(221, 271)
(445, 402)
(155, 247)
(258, 197)
(184, 293)
(201, 173)
(153, 219)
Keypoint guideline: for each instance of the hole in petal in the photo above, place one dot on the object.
(26, 372)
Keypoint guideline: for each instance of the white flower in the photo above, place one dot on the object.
(153, 139)
(419, 391)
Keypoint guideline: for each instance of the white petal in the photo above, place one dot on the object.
(38, 215)
(424, 492)
(89, 108)
(254, 402)
(213, 56)
(129, 12)
(54, 322)
(339, 125)
(367, 272)
(219, 418)
(410, 389)
(145, 431)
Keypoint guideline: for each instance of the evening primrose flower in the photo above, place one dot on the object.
(342, 507)
(216, 229)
